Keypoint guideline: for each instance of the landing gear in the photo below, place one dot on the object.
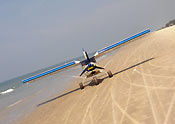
(95, 80)
(109, 74)
(81, 85)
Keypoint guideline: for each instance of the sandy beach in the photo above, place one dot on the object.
(142, 90)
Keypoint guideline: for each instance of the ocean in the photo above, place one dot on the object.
(17, 100)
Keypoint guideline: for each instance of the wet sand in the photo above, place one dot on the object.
(142, 90)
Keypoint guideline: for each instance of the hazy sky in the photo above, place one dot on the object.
(38, 33)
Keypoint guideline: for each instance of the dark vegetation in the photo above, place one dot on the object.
(170, 23)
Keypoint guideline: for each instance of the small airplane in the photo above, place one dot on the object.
(90, 68)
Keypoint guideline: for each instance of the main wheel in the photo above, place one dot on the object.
(81, 85)
(109, 74)
(95, 80)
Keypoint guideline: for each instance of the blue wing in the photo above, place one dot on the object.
(66, 65)
(98, 53)
(117, 44)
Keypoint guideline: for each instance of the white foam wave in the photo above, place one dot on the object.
(7, 91)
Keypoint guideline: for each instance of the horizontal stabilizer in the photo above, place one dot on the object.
(66, 65)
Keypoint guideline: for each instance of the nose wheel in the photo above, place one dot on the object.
(95, 80)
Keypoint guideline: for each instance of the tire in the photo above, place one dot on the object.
(95, 80)
(110, 74)
(81, 85)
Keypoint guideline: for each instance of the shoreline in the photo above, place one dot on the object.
(141, 90)
(73, 86)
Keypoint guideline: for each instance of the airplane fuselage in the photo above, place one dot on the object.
(89, 65)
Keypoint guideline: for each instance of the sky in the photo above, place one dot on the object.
(35, 34)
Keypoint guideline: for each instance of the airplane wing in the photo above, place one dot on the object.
(120, 43)
(61, 67)
(97, 54)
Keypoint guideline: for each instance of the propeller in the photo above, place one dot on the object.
(85, 69)
(99, 67)
(75, 76)
(86, 55)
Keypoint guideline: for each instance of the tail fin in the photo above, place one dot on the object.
(86, 55)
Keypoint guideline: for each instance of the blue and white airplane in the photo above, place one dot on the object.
(90, 68)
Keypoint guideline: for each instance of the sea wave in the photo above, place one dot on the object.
(7, 91)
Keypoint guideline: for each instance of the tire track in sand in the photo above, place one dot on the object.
(128, 100)
(89, 105)
(154, 84)
(122, 110)
(169, 110)
(149, 97)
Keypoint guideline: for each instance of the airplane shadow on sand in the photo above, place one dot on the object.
(92, 84)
